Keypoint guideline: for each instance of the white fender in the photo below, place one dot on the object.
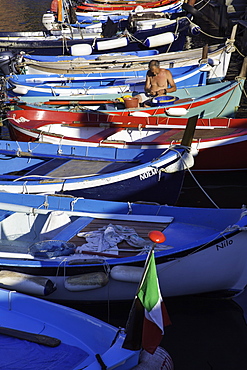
(194, 29)
(206, 68)
(81, 49)
(130, 274)
(187, 161)
(93, 280)
(176, 112)
(159, 360)
(24, 283)
(20, 90)
(138, 9)
(152, 23)
(112, 44)
(213, 62)
(159, 40)
(140, 114)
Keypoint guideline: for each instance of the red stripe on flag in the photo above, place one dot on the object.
(151, 334)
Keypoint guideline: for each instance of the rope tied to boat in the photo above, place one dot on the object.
(25, 188)
(232, 228)
(204, 191)
(72, 203)
(131, 37)
(203, 246)
(244, 213)
(29, 147)
(129, 209)
(189, 170)
(238, 78)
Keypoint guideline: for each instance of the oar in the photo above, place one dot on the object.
(189, 131)
(31, 337)
(101, 254)
(111, 255)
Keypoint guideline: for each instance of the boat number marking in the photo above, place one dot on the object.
(224, 244)
(148, 174)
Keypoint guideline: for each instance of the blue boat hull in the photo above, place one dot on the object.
(69, 84)
(109, 175)
(204, 249)
(63, 47)
(37, 334)
(166, 190)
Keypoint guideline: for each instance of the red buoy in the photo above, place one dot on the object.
(156, 236)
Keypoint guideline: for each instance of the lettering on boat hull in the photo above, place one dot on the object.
(148, 174)
(224, 244)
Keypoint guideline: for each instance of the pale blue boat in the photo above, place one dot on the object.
(210, 101)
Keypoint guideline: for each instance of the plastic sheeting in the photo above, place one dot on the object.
(109, 236)
(16, 354)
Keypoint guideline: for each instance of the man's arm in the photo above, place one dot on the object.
(170, 82)
(147, 86)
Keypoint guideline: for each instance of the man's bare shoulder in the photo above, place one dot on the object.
(164, 71)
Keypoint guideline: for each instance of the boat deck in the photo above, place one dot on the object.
(141, 228)
(202, 134)
(19, 243)
(59, 168)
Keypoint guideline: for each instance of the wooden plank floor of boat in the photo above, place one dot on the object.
(76, 167)
(59, 168)
(141, 228)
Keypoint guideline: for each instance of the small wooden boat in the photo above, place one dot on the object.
(38, 334)
(204, 250)
(217, 58)
(162, 5)
(112, 174)
(66, 88)
(213, 143)
(210, 101)
(89, 84)
(156, 38)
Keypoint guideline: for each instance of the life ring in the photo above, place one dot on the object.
(164, 100)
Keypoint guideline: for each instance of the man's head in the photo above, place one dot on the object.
(154, 66)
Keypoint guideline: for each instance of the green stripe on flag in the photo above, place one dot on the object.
(149, 289)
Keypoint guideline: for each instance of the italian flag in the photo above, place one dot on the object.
(148, 315)
(155, 314)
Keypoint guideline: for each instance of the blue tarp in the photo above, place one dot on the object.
(16, 354)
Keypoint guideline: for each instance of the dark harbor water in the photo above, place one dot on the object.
(207, 332)
(22, 15)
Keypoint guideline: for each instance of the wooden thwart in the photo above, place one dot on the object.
(115, 216)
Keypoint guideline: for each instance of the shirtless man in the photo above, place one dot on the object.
(157, 82)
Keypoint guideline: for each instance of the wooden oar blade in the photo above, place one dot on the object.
(31, 337)
(189, 131)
